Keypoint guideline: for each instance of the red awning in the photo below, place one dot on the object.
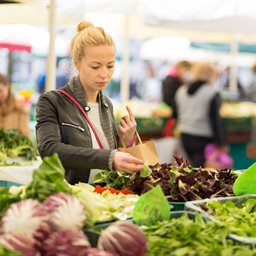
(16, 47)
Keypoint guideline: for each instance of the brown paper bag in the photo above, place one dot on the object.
(145, 151)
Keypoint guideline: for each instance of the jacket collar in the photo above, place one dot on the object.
(77, 90)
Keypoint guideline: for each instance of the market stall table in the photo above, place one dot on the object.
(18, 174)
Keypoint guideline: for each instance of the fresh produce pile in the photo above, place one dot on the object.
(48, 216)
(14, 144)
(192, 237)
(240, 217)
(179, 181)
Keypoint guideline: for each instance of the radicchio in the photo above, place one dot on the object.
(66, 243)
(66, 212)
(25, 218)
(122, 238)
(20, 243)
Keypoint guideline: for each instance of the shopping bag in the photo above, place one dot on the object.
(145, 151)
(216, 158)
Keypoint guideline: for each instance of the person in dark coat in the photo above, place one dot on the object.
(175, 78)
(77, 122)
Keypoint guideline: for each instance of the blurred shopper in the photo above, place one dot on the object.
(62, 73)
(78, 122)
(198, 106)
(251, 90)
(224, 83)
(14, 113)
(62, 76)
(151, 85)
(177, 76)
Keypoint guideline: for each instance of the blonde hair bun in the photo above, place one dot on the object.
(83, 25)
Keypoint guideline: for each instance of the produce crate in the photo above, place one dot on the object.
(238, 124)
(93, 236)
(4, 183)
(178, 214)
(177, 206)
(195, 206)
(150, 124)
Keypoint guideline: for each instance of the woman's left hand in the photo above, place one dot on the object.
(127, 127)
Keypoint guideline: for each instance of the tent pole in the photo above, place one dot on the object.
(233, 67)
(125, 83)
(51, 58)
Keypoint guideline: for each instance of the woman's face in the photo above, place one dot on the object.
(96, 67)
(4, 91)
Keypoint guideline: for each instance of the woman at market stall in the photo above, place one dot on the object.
(78, 122)
(197, 112)
(14, 113)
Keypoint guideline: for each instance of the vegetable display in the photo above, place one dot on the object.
(100, 190)
(14, 144)
(48, 216)
(48, 179)
(240, 218)
(192, 237)
(179, 181)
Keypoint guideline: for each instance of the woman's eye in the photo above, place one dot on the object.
(94, 67)
(110, 67)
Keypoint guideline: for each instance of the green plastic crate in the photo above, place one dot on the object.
(177, 206)
(238, 124)
(151, 124)
(4, 183)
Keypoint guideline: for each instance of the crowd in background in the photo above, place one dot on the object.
(159, 82)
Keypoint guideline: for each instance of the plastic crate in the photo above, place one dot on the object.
(177, 206)
(150, 124)
(195, 206)
(93, 236)
(238, 124)
(4, 183)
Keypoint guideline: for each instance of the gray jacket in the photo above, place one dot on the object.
(61, 128)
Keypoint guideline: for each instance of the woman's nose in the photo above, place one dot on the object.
(103, 72)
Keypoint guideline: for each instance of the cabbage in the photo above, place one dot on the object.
(66, 212)
(66, 243)
(122, 238)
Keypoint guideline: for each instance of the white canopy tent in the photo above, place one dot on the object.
(213, 20)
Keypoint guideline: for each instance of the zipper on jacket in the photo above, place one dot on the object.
(74, 126)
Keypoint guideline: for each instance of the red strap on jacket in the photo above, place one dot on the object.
(85, 115)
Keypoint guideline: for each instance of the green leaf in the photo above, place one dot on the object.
(151, 207)
(48, 179)
(246, 182)
(145, 171)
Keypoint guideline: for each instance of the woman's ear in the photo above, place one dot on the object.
(77, 64)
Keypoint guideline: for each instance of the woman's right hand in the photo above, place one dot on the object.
(127, 163)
